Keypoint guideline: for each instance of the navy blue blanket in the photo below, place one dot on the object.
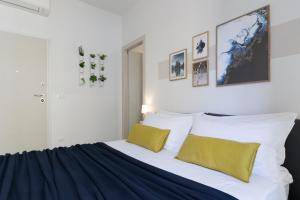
(92, 172)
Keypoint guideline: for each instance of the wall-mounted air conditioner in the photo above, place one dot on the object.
(41, 7)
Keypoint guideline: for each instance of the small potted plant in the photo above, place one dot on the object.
(102, 79)
(81, 51)
(92, 58)
(102, 57)
(82, 64)
(82, 80)
(93, 65)
(93, 78)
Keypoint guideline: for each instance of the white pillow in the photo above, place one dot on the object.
(270, 130)
(179, 126)
(173, 114)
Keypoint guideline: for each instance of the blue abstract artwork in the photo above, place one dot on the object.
(243, 49)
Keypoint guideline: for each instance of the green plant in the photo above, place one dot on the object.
(82, 64)
(102, 57)
(92, 55)
(93, 78)
(93, 65)
(81, 51)
(102, 78)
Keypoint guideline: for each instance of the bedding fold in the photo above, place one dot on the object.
(93, 172)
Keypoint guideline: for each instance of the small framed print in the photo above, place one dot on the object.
(178, 65)
(200, 46)
(200, 73)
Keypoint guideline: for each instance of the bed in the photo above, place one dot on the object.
(259, 188)
(120, 170)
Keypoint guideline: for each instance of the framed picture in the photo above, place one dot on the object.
(178, 65)
(243, 53)
(200, 46)
(200, 73)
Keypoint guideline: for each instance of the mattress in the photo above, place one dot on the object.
(259, 188)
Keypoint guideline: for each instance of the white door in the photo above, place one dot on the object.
(23, 105)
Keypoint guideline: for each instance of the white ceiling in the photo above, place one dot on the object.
(115, 6)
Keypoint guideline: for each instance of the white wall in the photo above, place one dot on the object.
(169, 26)
(76, 115)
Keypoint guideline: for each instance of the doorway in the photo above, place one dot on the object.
(133, 84)
(23, 86)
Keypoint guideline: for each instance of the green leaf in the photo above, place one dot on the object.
(93, 78)
(93, 65)
(102, 78)
(103, 57)
(81, 51)
(82, 64)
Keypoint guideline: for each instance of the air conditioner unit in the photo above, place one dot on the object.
(41, 7)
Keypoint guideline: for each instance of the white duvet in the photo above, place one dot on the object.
(259, 188)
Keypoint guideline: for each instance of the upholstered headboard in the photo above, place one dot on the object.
(292, 161)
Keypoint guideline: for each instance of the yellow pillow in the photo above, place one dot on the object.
(233, 158)
(148, 137)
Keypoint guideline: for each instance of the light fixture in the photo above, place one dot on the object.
(145, 109)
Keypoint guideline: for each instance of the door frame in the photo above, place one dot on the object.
(125, 88)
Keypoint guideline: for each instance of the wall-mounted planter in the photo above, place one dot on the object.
(102, 77)
(93, 66)
(96, 75)
(81, 66)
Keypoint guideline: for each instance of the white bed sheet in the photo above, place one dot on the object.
(259, 188)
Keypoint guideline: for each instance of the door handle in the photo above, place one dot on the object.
(38, 95)
(41, 97)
